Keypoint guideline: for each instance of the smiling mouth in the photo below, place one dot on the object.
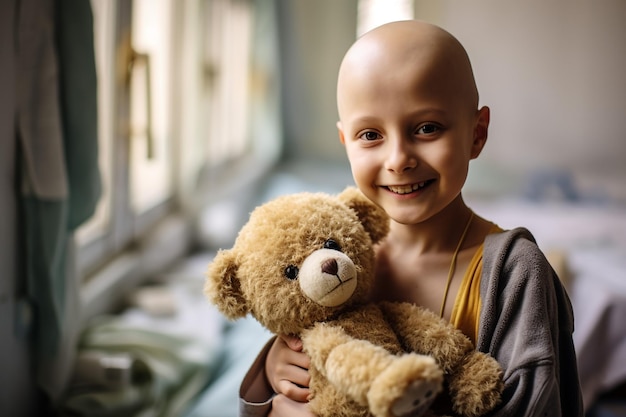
(406, 189)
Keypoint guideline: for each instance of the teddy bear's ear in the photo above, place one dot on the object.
(374, 219)
(223, 287)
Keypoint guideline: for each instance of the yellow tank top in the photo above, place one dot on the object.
(466, 311)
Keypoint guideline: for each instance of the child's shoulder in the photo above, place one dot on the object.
(514, 253)
(517, 242)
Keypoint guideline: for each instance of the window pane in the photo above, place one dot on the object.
(150, 92)
(227, 73)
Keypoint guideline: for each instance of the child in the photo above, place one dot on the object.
(410, 124)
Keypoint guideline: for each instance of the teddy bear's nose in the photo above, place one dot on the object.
(329, 266)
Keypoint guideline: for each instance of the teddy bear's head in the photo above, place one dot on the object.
(301, 258)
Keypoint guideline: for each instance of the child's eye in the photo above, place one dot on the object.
(428, 129)
(370, 135)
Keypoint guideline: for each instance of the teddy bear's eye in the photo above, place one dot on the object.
(291, 272)
(332, 244)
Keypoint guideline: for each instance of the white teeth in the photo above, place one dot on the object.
(405, 189)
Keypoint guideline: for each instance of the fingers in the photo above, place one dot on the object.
(282, 406)
(293, 390)
(295, 355)
(286, 368)
(294, 342)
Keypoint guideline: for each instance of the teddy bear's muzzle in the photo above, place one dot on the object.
(328, 277)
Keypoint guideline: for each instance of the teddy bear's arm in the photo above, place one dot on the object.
(420, 330)
(370, 375)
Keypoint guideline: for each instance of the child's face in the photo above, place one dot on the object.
(409, 125)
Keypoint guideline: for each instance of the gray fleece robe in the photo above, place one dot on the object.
(526, 323)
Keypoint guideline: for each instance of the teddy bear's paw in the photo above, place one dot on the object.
(417, 398)
(408, 386)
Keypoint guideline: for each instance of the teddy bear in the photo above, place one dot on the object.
(303, 265)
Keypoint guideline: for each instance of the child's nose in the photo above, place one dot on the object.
(401, 156)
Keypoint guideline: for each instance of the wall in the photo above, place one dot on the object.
(314, 35)
(553, 74)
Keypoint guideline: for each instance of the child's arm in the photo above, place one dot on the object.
(255, 393)
(526, 323)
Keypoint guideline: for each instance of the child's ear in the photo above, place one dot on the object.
(342, 138)
(481, 128)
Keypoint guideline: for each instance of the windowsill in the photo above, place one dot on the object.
(222, 182)
(105, 291)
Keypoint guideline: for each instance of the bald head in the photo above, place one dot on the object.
(398, 51)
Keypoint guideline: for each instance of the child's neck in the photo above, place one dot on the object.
(438, 234)
(413, 262)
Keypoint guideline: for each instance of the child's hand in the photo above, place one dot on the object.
(286, 369)
(285, 407)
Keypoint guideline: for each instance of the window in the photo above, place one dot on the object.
(179, 87)
(230, 74)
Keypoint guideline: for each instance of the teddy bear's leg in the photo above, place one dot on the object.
(476, 385)
(327, 400)
(390, 385)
